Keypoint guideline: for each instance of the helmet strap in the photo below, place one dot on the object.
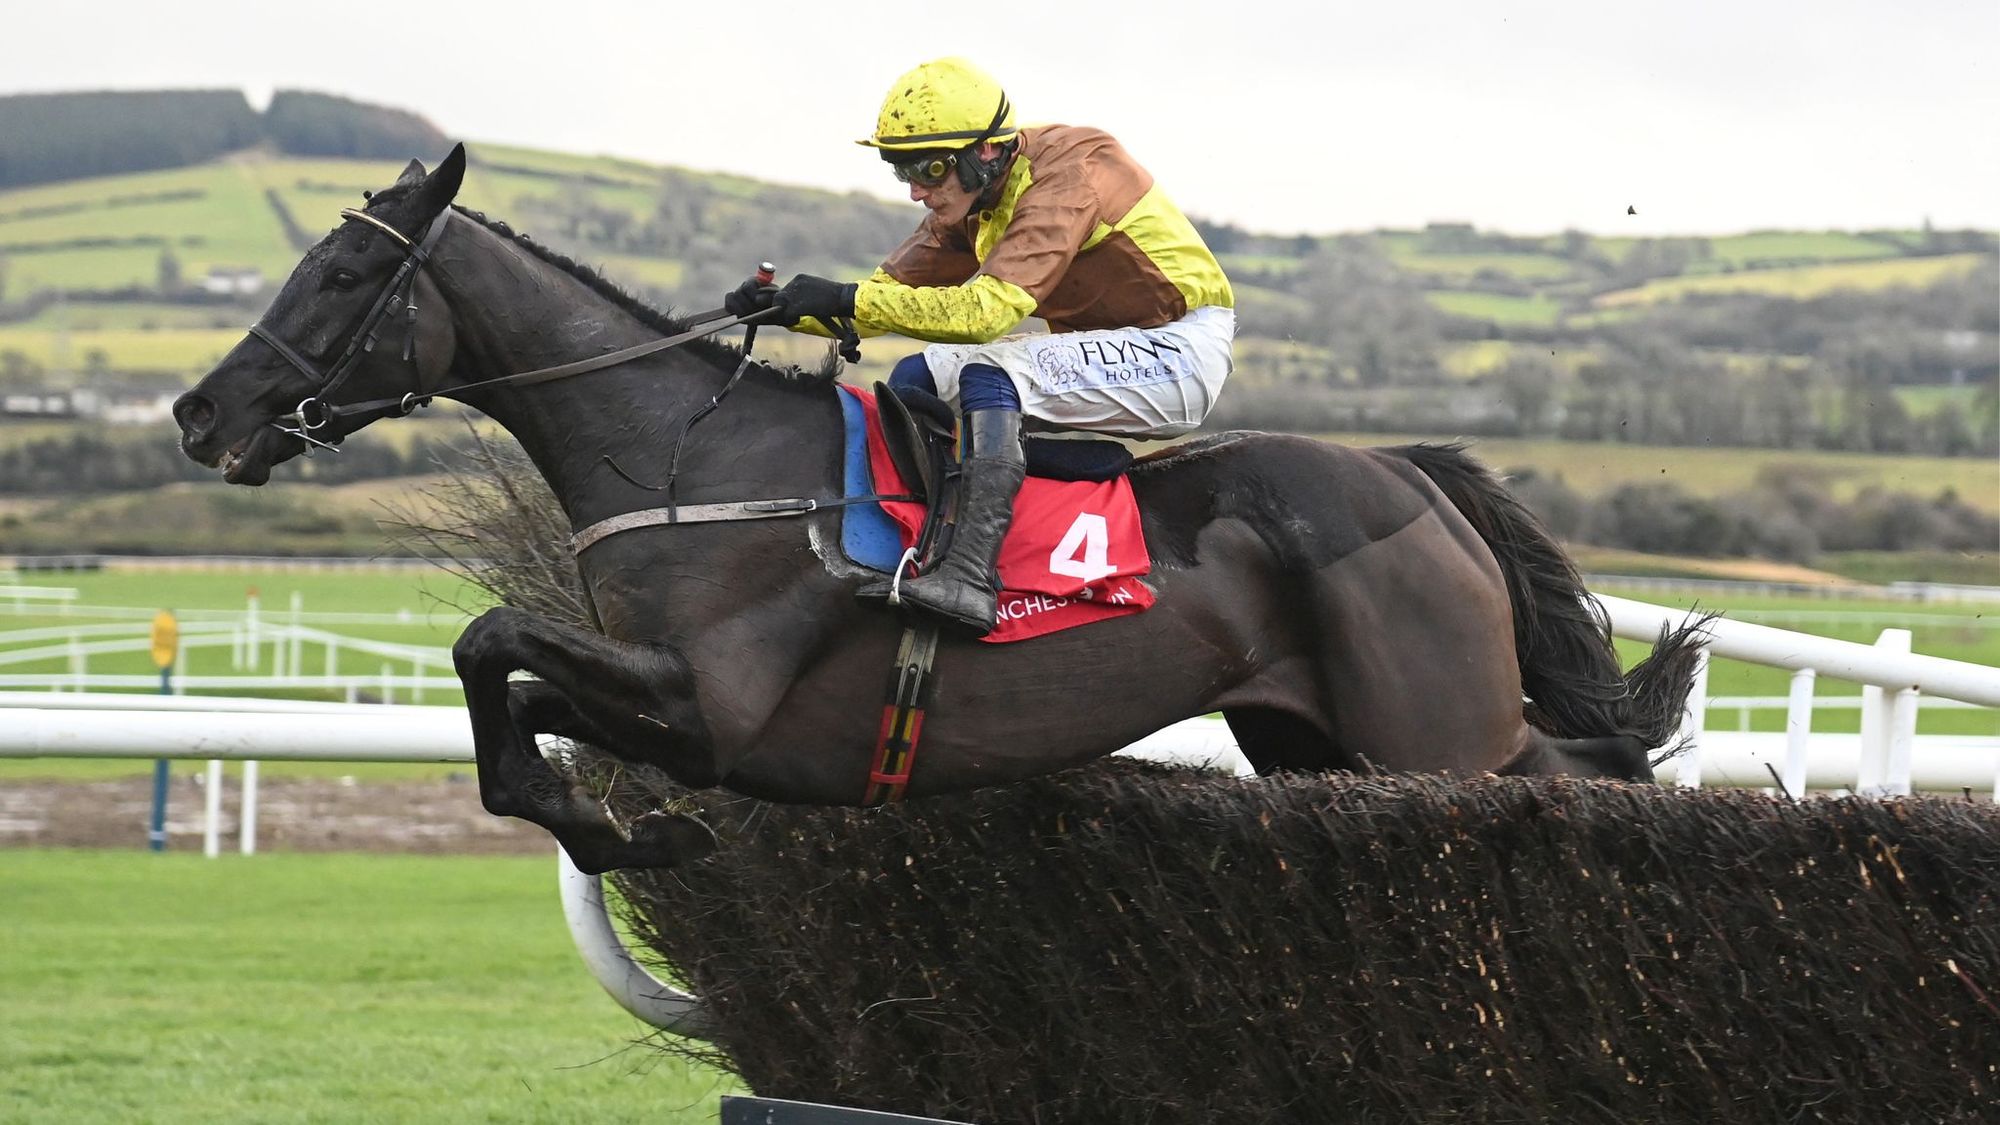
(977, 175)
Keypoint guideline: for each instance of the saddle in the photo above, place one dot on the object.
(921, 432)
(1076, 551)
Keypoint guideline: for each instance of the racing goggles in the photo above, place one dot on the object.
(926, 169)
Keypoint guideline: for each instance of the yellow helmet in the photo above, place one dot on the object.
(945, 103)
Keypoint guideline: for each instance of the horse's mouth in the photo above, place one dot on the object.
(249, 461)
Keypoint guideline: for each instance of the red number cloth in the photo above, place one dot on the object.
(1073, 555)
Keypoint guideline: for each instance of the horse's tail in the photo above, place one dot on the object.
(1562, 637)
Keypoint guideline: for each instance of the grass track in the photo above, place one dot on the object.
(294, 988)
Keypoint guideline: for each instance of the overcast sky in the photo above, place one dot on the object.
(1524, 117)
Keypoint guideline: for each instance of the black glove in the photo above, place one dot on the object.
(749, 297)
(806, 295)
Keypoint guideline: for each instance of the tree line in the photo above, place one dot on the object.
(82, 463)
(1788, 514)
(1736, 369)
(51, 137)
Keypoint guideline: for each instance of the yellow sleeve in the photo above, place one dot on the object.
(984, 308)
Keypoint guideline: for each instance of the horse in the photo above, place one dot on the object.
(1384, 609)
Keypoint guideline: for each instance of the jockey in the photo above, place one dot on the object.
(1055, 221)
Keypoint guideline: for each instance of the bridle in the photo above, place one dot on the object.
(317, 412)
(314, 411)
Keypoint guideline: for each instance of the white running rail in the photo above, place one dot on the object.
(1886, 758)
(1894, 680)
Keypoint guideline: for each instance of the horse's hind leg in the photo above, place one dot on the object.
(610, 693)
(1279, 740)
(1619, 756)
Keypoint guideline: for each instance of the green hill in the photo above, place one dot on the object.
(1879, 341)
(47, 138)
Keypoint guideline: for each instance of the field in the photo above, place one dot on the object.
(187, 351)
(1501, 309)
(1594, 468)
(431, 607)
(1953, 632)
(435, 607)
(297, 988)
(1801, 282)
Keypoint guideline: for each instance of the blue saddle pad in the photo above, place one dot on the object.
(867, 535)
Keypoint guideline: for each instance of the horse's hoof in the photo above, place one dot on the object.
(663, 839)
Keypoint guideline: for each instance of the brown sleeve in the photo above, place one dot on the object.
(934, 254)
(1084, 180)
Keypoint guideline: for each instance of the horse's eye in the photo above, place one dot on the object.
(344, 280)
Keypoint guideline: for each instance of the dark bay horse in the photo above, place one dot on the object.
(1385, 609)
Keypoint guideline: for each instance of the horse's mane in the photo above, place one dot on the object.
(719, 352)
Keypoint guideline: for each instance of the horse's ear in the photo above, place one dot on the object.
(411, 175)
(441, 187)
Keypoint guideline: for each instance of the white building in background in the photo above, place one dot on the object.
(38, 404)
(233, 281)
(131, 408)
(136, 407)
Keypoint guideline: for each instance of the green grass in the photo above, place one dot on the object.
(97, 316)
(1277, 265)
(1481, 357)
(307, 988)
(1496, 307)
(1595, 468)
(232, 223)
(1960, 632)
(189, 350)
(229, 224)
(1801, 282)
(1825, 246)
(429, 598)
(290, 517)
(1527, 267)
(1954, 567)
(1923, 402)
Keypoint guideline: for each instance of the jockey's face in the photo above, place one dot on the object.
(948, 199)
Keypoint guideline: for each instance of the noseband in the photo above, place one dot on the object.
(314, 412)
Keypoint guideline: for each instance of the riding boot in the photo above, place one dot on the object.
(965, 586)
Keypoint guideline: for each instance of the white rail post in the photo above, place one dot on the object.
(246, 824)
(298, 602)
(1798, 732)
(1902, 740)
(388, 684)
(253, 637)
(1872, 778)
(211, 815)
(1692, 721)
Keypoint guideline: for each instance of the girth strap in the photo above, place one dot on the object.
(903, 714)
(715, 513)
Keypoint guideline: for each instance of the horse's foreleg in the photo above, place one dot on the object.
(631, 700)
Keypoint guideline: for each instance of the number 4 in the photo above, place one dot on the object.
(1090, 538)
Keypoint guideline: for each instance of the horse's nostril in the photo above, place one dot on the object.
(194, 413)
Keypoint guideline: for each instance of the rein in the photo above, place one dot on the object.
(316, 413)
